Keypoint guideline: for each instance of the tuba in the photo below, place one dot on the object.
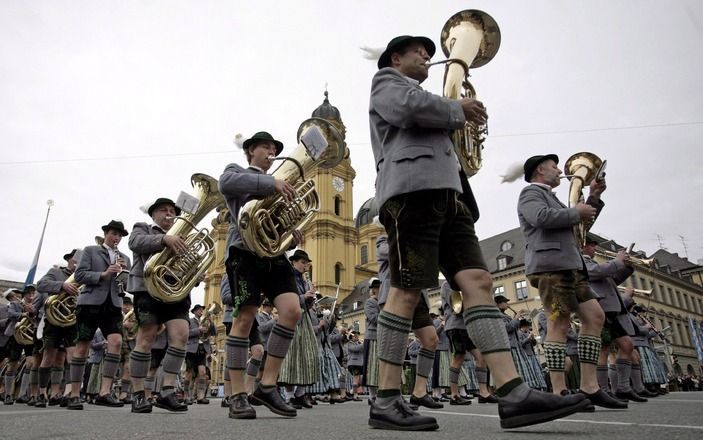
(169, 278)
(581, 169)
(130, 317)
(456, 302)
(469, 38)
(206, 320)
(24, 331)
(266, 226)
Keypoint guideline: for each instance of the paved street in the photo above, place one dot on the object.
(675, 416)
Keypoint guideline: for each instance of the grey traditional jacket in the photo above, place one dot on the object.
(355, 351)
(512, 326)
(239, 185)
(547, 226)
(266, 323)
(144, 241)
(452, 321)
(604, 279)
(4, 319)
(96, 290)
(97, 348)
(194, 336)
(384, 274)
(337, 341)
(410, 136)
(413, 351)
(371, 310)
(14, 314)
(443, 344)
(526, 342)
(52, 282)
(226, 297)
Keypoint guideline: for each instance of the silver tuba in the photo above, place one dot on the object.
(266, 225)
(169, 278)
(469, 39)
(581, 169)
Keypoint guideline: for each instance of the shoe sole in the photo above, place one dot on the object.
(379, 424)
(536, 418)
(272, 408)
(243, 416)
(141, 411)
(75, 408)
(168, 408)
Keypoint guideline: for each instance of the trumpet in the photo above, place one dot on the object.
(637, 291)
(122, 276)
(647, 263)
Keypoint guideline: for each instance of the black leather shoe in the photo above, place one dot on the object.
(32, 401)
(630, 395)
(22, 399)
(646, 393)
(661, 391)
(307, 402)
(40, 402)
(108, 400)
(336, 400)
(296, 402)
(74, 403)
(399, 417)
(54, 400)
(64, 402)
(273, 401)
(490, 399)
(371, 400)
(239, 407)
(427, 401)
(602, 399)
(8, 400)
(459, 400)
(203, 401)
(611, 394)
(127, 399)
(170, 403)
(140, 404)
(225, 402)
(539, 407)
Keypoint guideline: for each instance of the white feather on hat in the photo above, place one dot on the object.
(372, 53)
(513, 173)
(239, 140)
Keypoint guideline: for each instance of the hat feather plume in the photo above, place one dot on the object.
(239, 140)
(513, 173)
(372, 53)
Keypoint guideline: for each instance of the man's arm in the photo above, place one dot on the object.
(85, 273)
(534, 208)
(142, 242)
(235, 181)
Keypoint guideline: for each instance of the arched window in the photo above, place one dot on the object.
(337, 205)
(506, 246)
(338, 273)
(364, 254)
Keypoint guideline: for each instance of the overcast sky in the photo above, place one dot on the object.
(106, 105)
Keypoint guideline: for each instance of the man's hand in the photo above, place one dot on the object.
(70, 288)
(285, 189)
(174, 243)
(309, 296)
(474, 111)
(586, 212)
(203, 329)
(597, 188)
(629, 291)
(113, 268)
(621, 256)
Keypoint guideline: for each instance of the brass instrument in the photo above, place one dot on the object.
(582, 168)
(638, 291)
(130, 317)
(470, 38)
(60, 309)
(24, 330)
(169, 278)
(206, 320)
(266, 225)
(122, 276)
(456, 302)
(647, 263)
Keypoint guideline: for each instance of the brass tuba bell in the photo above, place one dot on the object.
(169, 278)
(456, 302)
(266, 226)
(24, 331)
(60, 309)
(469, 39)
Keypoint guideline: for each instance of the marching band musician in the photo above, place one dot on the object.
(430, 226)
(197, 349)
(19, 307)
(617, 328)
(371, 309)
(355, 363)
(145, 241)
(99, 306)
(459, 344)
(301, 367)
(251, 275)
(554, 266)
(58, 341)
(527, 342)
(128, 329)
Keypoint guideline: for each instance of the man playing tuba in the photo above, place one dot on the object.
(250, 276)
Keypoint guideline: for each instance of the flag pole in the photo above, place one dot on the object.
(35, 262)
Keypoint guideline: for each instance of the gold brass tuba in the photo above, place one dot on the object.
(169, 278)
(470, 39)
(266, 225)
(456, 302)
(581, 169)
(130, 317)
(60, 309)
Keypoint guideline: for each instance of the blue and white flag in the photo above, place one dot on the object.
(35, 262)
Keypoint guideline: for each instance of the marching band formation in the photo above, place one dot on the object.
(115, 330)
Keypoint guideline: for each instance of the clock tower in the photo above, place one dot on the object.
(331, 237)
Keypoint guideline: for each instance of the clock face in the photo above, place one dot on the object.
(338, 184)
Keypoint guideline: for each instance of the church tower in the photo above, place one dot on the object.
(330, 238)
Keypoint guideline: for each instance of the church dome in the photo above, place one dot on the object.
(368, 210)
(327, 110)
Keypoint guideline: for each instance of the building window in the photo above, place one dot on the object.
(338, 273)
(355, 305)
(506, 246)
(502, 263)
(499, 290)
(521, 289)
(364, 254)
(337, 205)
(355, 326)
